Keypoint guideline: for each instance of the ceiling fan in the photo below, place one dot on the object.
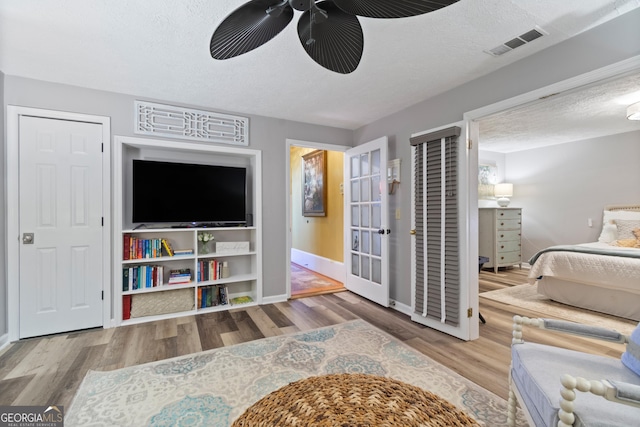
(329, 30)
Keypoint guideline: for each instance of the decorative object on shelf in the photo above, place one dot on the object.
(232, 247)
(178, 122)
(487, 178)
(314, 183)
(633, 111)
(503, 192)
(225, 270)
(321, 24)
(204, 239)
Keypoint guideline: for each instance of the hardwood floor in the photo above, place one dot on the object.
(305, 282)
(48, 370)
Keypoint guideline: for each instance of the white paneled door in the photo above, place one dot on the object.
(61, 243)
(366, 223)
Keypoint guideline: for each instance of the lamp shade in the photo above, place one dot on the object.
(633, 111)
(503, 190)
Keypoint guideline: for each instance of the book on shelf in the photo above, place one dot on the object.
(126, 307)
(167, 247)
(135, 248)
(181, 275)
(212, 296)
(142, 276)
(178, 252)
(126, 246)
(210, 270)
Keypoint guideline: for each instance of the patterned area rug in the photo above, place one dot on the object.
(213, 388)
(527, 296)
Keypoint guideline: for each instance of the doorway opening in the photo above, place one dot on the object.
(316, 234)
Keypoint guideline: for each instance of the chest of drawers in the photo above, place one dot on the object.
(499, 239)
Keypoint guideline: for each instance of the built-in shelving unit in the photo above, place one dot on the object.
(153, 297)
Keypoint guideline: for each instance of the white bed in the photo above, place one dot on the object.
(607, 281)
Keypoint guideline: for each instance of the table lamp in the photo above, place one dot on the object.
(503, 192)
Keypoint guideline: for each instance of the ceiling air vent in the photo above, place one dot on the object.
(521, 40)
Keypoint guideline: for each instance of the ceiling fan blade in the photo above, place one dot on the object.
(391, 8)
(248, 27)
(334, 40)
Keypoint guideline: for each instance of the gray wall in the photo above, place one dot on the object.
(614, 41)
(560, 187)
(3, 210)
(266, 134)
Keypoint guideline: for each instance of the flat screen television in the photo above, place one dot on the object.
(167, 192)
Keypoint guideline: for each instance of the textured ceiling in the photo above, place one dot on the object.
(158, 49)
(593, 111)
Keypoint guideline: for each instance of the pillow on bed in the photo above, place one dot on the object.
(626, 227)
(629, 243)
(609, 232)
(608, 217)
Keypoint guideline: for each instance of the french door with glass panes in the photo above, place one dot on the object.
(366, 221)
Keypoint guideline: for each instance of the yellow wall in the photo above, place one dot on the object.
(318, 235)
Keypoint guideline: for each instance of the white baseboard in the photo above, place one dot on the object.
(4, 341)
(402, 308)
(274, 299)
(325, 266)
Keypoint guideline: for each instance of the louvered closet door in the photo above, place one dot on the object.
(440, 293)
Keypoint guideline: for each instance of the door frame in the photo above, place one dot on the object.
(306, 144)
(13, 214)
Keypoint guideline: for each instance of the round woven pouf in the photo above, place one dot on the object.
(352, 400)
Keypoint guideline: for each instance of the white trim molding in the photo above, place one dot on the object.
(170, 121)
(325, 266)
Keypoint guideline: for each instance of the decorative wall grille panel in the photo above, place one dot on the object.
(198, 125)
(436, 212)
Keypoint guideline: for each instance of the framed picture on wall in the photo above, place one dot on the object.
(487, 178)
(314, 183)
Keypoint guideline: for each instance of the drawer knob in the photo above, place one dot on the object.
(502, 235)
(502, 247)
(502, 223)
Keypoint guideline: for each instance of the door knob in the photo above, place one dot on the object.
(27, 238)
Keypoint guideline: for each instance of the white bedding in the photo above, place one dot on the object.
(612, 272)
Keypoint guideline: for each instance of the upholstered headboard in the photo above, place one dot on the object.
(635, 207)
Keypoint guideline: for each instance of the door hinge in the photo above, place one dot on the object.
(469, 143)
(103, 295)
(469, 312)
(103, 221)
(102, 148)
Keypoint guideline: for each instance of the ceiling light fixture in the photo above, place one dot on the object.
(329, 31)
(633, 111)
